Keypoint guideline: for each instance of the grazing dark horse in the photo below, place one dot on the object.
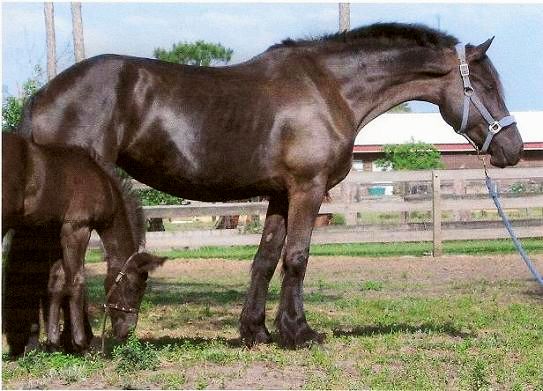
(67, 189)
(282, 124)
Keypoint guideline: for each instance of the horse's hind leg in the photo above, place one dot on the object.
(252, 327)
(56, 290)
(74, 243)
(304, 204)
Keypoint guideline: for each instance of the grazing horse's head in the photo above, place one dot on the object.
(125, 298)
(474, 83)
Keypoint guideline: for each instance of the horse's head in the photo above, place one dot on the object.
(474, 83)
(125, 299)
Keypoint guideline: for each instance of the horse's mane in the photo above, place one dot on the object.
(383, 33)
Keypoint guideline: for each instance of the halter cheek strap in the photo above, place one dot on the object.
(470, 96)
(118, 279)
(118, 307)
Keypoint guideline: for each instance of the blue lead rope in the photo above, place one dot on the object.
(492, 189)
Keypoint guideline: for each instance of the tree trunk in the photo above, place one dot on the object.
(77, 29)
(344, 17)
(49, 13)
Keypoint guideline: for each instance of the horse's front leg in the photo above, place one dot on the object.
(252, 326)
(74, 243)
(304, 203)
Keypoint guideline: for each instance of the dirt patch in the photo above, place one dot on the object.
(429, 270)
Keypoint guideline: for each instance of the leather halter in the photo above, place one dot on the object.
(470, 96)
(108, 306)
(118, 279)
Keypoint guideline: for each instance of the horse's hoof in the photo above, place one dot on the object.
(295, 335)
(253, 334)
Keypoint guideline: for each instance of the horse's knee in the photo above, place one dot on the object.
(295, 263)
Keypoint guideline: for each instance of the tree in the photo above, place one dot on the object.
(401, 108)
(199, 53)
(77, 30)
(344, 17)
(49, 13)
(410, 156)
(12, 108)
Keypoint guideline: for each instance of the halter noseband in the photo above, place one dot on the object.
(471, 96)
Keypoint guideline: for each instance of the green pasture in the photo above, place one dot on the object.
(386, 328)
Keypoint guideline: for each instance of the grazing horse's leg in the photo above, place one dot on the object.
(24, 285)
(74, 243)
(252, 327)
(304, 204)
(56, 290)
(66, 335)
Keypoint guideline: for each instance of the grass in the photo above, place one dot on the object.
(481, 247)
(396, 328)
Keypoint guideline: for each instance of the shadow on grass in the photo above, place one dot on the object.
(382, 329)
(171, 293)
(536, 293)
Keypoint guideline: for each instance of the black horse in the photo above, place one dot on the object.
(282, 124)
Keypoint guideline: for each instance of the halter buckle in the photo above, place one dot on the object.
(119, 277)
(464, 69)
(494, 127)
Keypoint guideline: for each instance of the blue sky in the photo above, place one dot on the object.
(137, 28)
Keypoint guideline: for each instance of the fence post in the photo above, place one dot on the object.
(436, 214)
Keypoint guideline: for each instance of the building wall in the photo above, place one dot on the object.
(457, 160)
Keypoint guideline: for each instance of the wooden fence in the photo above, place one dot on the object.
(434, 201)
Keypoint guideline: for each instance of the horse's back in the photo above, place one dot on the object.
(14, 154)
(52, 184)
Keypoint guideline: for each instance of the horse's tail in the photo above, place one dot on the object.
(26, 274)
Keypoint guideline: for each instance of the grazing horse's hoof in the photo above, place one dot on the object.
(252, 334)
(293, 335)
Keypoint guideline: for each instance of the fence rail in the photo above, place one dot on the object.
(436, 202)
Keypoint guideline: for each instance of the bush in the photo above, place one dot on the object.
(338, 219)
(151, 197)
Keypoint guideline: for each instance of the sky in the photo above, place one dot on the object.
(249, 28)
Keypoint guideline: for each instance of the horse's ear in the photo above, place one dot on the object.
(148, 262)
(478, 52)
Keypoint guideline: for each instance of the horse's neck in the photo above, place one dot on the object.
(372, 82)
(118, 238)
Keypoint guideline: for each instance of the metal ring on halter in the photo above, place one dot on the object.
(494, 127)
(469, 91)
